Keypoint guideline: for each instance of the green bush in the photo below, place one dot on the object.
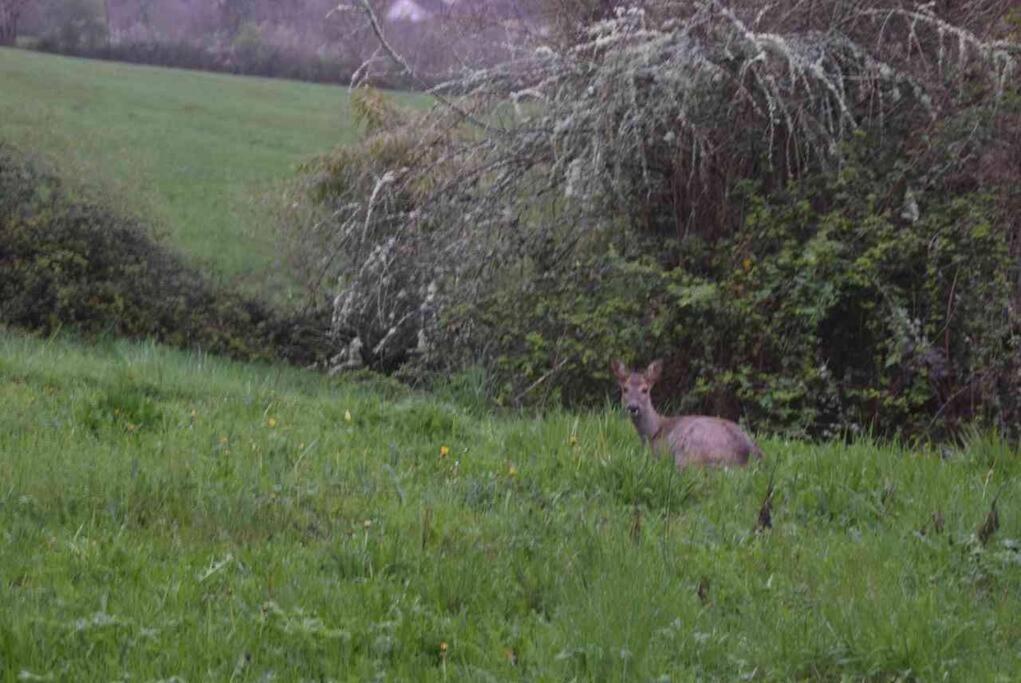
(807, 320)
(78, 266)
(815, 229)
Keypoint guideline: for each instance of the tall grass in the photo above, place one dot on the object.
(165, 514)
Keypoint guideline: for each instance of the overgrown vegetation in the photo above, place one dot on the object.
(336, 530)
(76, 266)
(808, 208)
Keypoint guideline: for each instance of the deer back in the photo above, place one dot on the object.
(706, 441)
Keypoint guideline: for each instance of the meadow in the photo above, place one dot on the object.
(194, 153)
(165, 514)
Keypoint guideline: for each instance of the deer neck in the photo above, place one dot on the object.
(648, 423)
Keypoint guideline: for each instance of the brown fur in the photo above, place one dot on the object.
(689, 439)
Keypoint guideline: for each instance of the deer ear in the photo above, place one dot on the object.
(619, 370)
(654, 371)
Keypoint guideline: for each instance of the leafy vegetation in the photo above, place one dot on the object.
(168, 514)
(836, 320)
(816, 229)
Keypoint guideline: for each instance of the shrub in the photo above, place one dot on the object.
(79, 266)
(815, 228)
(804, 321)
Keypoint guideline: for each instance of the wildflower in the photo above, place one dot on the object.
(223, 440)
(367, 524)
(512, 471)
(444, 451)
(271, 423)
(573, 441)
(443, 648)
(746, 264)
(347, 416)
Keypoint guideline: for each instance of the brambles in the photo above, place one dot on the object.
(814, 228)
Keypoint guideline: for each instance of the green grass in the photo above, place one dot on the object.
(193, 152)
(165, 514)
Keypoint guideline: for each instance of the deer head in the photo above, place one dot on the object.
(636, 395)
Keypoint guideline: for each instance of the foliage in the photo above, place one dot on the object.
(152, 498)
(385, 298)
(77, 266)
(770, 181)
(73, 26)
(806, 320)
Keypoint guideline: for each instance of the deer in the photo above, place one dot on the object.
(697, 440)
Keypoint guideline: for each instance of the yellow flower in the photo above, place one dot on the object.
(746, 264)
(444, 451)
(367, 523)
(271, 423)
(512, 471)
(573, 440)
(347, 416)
(443, 648)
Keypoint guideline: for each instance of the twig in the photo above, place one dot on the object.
(542, 379)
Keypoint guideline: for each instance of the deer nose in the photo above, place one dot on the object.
(633, 409)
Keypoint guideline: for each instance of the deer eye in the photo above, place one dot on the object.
(645, 390)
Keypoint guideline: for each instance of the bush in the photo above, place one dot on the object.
(77, 266)
(805, 321)
(816, 229)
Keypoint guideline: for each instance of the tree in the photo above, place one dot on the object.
(10, 12)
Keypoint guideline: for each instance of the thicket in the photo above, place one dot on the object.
(809, 209)
(76, 266)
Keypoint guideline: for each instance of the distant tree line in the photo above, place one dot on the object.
(11, 12)
(303, 39)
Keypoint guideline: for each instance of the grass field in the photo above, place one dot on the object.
(171, 515)
(192, 152)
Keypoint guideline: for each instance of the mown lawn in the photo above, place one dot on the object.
(194, 153)
(165, 514)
